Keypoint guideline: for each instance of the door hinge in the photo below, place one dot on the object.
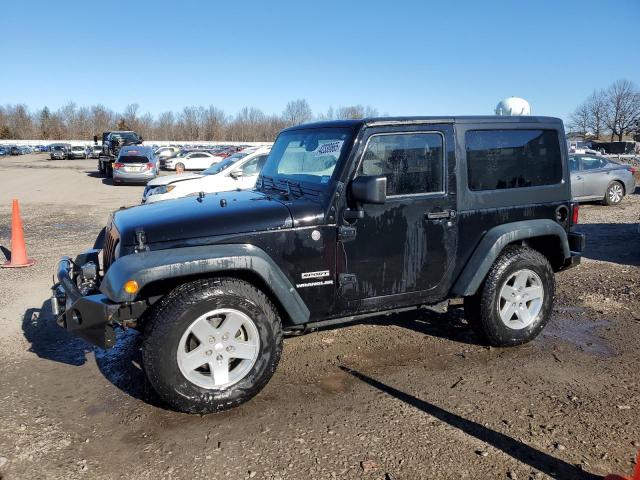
(347, 284)
(346, 233)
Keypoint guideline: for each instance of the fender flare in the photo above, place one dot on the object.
(494, 242)
(150, 266)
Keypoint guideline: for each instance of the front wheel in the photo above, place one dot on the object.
(212, 344)
(515, 301)
(614, 194)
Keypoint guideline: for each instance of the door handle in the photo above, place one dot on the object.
(441, 215)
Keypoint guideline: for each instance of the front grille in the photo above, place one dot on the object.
(109, 250)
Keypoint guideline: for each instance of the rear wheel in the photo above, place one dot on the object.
(614, 194)
(212, 344)
(514, 303)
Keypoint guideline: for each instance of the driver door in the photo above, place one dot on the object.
(404, 248)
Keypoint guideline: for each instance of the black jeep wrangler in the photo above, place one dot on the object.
(348, 219)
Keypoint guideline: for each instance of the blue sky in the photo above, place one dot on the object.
(401, 57)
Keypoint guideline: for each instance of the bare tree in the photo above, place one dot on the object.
(622, 108)
(193, 123)
(580, 119)
(356, 111)
(597, 106)
(297, 112)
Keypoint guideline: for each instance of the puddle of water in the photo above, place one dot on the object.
(582, 335)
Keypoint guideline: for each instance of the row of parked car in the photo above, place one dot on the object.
(16, 150)
(212, 170)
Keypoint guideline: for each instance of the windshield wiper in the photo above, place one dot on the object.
(290, 184)
(273, 185)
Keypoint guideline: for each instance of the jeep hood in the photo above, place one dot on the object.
(190, 217)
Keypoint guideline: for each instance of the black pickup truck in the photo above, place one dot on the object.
(112, 142)
(348, 219)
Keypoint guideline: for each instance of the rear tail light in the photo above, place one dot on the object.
(575, 213)
(633, 170)
(149, 166)
(118, 165)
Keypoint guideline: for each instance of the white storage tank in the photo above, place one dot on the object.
(513, 106)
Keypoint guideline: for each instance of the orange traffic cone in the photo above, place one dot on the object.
(636, 473)
(18, 248)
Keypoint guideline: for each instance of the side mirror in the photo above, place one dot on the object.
(366, 189)
(236, 174)
(369, 189)
(95, 139)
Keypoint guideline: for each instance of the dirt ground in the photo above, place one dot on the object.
(411, 396)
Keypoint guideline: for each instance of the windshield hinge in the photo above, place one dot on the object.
(346, 233)
(141, 241)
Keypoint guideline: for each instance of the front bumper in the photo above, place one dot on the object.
(91, 317)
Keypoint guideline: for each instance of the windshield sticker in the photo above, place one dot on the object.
(329, 148)
(325, 179)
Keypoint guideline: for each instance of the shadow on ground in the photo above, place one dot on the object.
(121, 365)
(553, 467)
(612, 242)
(449, 325)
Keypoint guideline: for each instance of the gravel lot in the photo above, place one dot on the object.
(411, 396)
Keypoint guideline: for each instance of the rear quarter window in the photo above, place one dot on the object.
(504, 159)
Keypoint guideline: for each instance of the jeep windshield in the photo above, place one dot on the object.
(306, 155)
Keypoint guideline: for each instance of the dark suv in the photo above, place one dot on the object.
(348, 219)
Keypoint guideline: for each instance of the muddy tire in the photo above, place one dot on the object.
(211, 345)
(614, 194)
(514, 302)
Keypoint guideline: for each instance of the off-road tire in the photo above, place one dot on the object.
(172, 316)
(481, 309)
(608, 193)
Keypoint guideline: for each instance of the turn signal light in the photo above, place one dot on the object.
(131, 287)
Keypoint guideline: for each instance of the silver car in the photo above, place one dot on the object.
(598, 178)
(135, 164)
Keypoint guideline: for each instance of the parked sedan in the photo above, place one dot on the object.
(191, 161)
(95, 151)
(77, 151)
(135, 164)
(58, 152)
(239, 171)
(597, 178)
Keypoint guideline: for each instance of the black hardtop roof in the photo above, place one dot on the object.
(466, 119)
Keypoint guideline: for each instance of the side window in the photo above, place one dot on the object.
(574, 164)
(412, 162)
(592, 163)
(501, 159)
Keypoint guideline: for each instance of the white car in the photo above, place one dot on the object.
(191, 161)
(239, 171)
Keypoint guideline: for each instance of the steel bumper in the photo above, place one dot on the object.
(89, 317)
